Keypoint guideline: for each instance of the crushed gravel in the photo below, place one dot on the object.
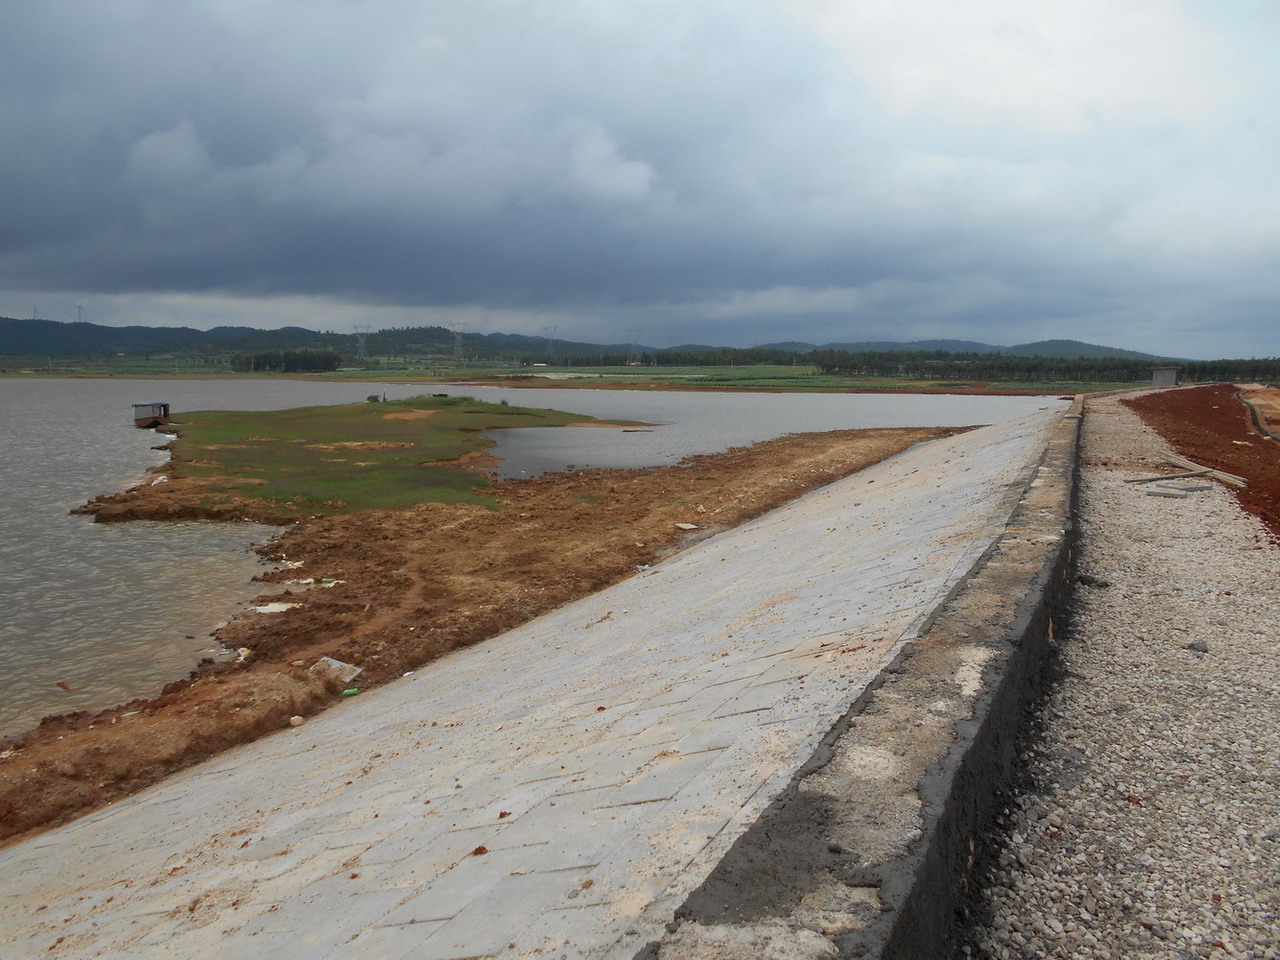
(1153, 826)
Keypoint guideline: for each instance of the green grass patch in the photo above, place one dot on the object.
(343, 459)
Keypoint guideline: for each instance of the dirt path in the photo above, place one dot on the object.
(412, 585)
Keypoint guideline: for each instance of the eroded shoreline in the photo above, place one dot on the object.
(413, 584)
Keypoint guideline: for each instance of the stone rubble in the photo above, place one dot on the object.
(1152, 827)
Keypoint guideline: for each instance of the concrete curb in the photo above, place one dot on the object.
(871, 850)
(960, 792)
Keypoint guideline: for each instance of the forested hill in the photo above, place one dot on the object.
(54, 339)
(1074, 349)
(41, 343)
(51, 338)
(57, 340)
(1065, 349)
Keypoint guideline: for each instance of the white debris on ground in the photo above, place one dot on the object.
(1154, 827)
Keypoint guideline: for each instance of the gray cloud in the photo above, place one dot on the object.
(720, 171)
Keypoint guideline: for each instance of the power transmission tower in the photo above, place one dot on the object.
(458, 328)
(362, 337)
(550, 333)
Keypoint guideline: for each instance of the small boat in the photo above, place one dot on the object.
(148, 415)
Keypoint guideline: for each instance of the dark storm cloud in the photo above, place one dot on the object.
(716, 167)
(442, 155)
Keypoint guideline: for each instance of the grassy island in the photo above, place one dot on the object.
(342, 459)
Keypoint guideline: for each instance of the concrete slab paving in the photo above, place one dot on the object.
(557, 791)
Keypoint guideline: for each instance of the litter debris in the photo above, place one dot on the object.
(1185, 464)
(350, 691)
(243, 654)
(1171, 476)
(1186, 487)
(65, 686)
(275, 607)
(159, 480)
(296, 721)
(687, 526)
(343, 672)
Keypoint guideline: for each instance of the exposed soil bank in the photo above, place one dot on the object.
(1213, 426)
(411, 585)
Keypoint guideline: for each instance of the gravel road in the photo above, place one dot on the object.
(1152, 828)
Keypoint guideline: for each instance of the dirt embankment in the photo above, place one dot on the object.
(180, 498)
(413, 584)
(1212, 426)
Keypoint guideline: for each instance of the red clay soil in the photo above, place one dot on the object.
(414, 584)
(1213, 426)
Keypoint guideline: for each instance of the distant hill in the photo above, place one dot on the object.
(54, 339)
(1055, 349)
(523, 343)
(887, 346)
(51, 338)
(1071, 349)
(690, 348)
(790, 346)
(37, 339)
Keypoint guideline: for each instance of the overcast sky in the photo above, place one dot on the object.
(663, 171)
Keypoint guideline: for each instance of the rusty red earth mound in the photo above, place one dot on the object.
(1212, 426)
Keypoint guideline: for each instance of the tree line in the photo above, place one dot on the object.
(937, 365)
(286, 361)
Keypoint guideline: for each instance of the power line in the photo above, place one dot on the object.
(458, 327)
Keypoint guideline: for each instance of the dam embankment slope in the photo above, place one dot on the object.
(613, 778)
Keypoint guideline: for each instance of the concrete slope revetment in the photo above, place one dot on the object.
(561, 790)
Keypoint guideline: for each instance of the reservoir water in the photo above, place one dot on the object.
(689, 423)
(115, 611)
